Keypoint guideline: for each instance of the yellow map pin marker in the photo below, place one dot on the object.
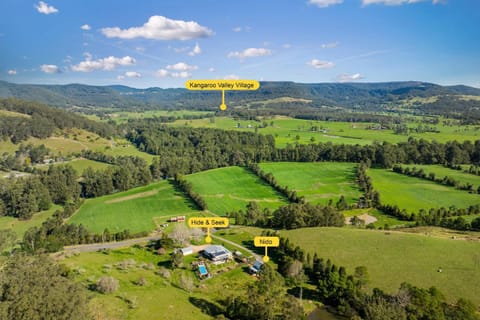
(266, 242)
(209, 85)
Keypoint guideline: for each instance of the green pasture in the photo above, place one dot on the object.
(394, 257)
(382, 219)
(139, 209)
(122, 147)
(441, 171)
(290, 131)
(20, 226)
(123, 116)
(232, 188)
(413, 194)
(81, 165)
(318, 182)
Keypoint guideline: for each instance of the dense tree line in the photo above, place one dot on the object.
(41, 121)
(444, 217)
(348, 294)
(25, 156)
(370, 196)
(292, 216)
(269, 178)
(185, 150)
(186, 188)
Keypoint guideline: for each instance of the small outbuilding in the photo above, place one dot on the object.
(186, 251)
(256, 267)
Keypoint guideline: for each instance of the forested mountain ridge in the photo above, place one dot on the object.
(369, 96)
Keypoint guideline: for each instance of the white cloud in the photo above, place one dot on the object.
(231, 77)
(324, 3)
(396, 2)
(330, 45)
(196, 50)
(120, 77)
(161, 28)
(163, 73)
(108, 63)
(85, 27)
(181, 66)
(49, 68)
(183, 74)
(237, 29)
(181, 71)
(211, 69)
(287, 46)
(320, 64)
(140, 49)
(44, 8)
(349, 77)
(249, 53)
(133, 74)
(12, 72)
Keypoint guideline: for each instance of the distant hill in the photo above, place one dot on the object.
(367, 96)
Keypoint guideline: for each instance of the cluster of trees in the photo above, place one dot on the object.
(446, 180)
(41, 121)
(35, 288)
(128, 173)
(185, 150)
(186, 188)
(25, 156)
(22, 197)
(292, 216)
(264, 299)
(269, 178)
(348, 294)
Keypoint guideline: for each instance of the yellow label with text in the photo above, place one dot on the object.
(266, 241)
(222, 85)
(210, 222)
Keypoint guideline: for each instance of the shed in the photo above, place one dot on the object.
(186, 251)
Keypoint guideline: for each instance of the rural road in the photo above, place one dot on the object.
(257, 257)
(108, 245)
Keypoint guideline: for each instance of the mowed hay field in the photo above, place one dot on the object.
(134, 210)
(232, 188)
(317, 181)
(394, 257)
(413, 194)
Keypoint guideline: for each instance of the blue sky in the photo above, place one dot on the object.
(164, 43)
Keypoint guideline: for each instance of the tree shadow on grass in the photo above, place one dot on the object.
(308, 294)
(179, 192)
(207, 307)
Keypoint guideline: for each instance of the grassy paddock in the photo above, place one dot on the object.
(413, 194)
(394, 257)
(160, 297)
(232, 188)
(20, 226)
(317, 181)
(138, 209)
(441, 171)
